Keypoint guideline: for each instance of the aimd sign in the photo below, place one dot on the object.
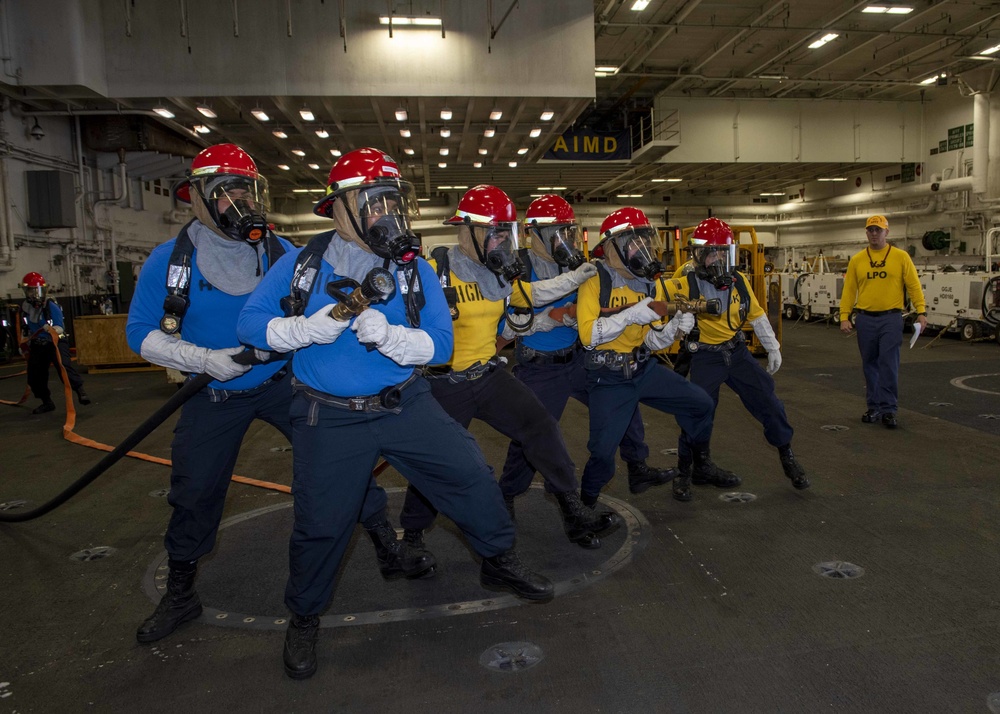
(586, 145)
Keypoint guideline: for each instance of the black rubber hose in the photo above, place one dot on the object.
(188, 390)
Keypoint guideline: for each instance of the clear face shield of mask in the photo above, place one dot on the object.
(561, 243)
(715, 263)
(238, 206)
(637, 248)
(385, 216)
(35, 294)
(497, 247)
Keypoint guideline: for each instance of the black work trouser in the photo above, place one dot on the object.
(42, 354)
(506, 404)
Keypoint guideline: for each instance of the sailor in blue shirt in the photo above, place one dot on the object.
(357, 394)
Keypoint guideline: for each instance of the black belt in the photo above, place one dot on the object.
(221, 395)
(624, 362)
(385, 401)
(466, 375)
(729, 345)
(526, 355)
(879, 313)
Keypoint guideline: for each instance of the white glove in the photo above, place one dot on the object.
(542, 323)
(765, 334)
(682, 322)
(545, 291)
(609, 327)
(403, 345)
(285, 334)
(167, 351)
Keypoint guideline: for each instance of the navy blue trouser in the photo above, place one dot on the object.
(554, 384)
(613, 400)
(504, 403)
(41, 354)
(206, 443)
(753, 385)
(879, 340)
(335, 450)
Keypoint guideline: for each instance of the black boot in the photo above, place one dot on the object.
(397, 559)
(82, 397)
(793, 469)
(681, 487)
(47, 405)
(642, 477)
(300, 646)
(178, 605)
(579, 521)
(507, 572)
(707, 473)
(508, 502)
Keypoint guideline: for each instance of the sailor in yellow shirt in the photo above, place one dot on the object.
(478, 277)
(720, 356)
(873, 288)
(620, 315)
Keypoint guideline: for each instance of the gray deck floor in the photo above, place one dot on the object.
(711, 606)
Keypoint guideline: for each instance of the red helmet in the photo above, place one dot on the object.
(488, 230)
(218, 160)
(35, 288)
(379, 204)
(634, 241)
(713, 250)
(553, 223)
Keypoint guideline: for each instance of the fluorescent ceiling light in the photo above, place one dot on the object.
(306, 114)
(404, 132)
(512, 164)
(443, 151)
(777, 193)
(335, 152)
(558, 188)
(201, 128)
(547, 115)
(477, 164)
(445, 114)
(425, 21)
(832, 178)
(442, 165)
(535, 133)
(322, 133)
(445, 188)
(401, 114)
(932, 80)
(283, 167)
(823, 40)
(522, 151)
(408, 151)
(280, 134)
(206, 111)
(314, 166)
(164, 112)
(629, 195)
(483, 151)
(496, 115)
(298, 152)
(991, 50)
(489, 132)
(445, 132)
(899, 10)
(423, 200)
(888, 9)
(667, 180)
(608, 68)
(460, 188)
(639, 5)
(260, 115)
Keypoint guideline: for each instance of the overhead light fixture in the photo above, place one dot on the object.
(640, 5)
(405, 133)
(522, 151)
(477, 164)
(445, 188)
(314, 166)
(298, 152)
(164, 112)
(206, 111)
(284, 167)
(408, 151)
(322, 133)
(823, 40)
(442, 165)
(547, 115)
(401, 114)
(445, 132)
(629, 195)
(443, 151)
(932, 80)
(460, 188)
(483, 151)
(989, 51)
(306, 114)
(280, 134)
(666, 180)
(400, 21)
(335, 152)
(888, 9)
(605, 70)
(260, 115)
(489, 132)
(512, 164)
(423, 200)
(558, 188)
(496, 115)
(535, 133)
(832, 178)
(201, 128)
(446, 114)
(773, 193)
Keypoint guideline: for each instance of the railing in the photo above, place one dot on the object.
(652, 126)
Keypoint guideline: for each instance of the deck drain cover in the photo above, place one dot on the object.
(12, 505)
(834, 427)
(672, 452)
(159, 493)
(511, 656)
(95, 553)
(838, 569)
(737, 497)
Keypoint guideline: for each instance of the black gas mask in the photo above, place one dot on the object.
(384, 224)
(714, 265)
(561, 244)
(243, 218)
(635, 250)
(497, 250)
